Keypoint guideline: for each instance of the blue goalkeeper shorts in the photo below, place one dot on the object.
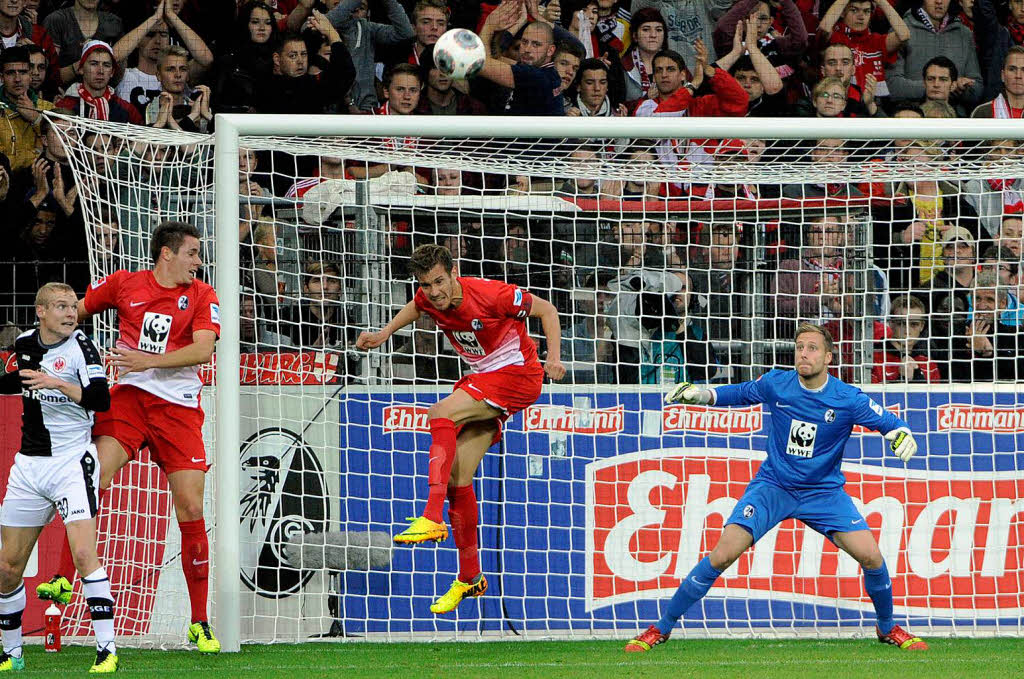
(764, 505)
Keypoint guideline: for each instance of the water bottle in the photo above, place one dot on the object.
(52, 629)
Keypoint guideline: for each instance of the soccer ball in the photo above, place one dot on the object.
(459, 54)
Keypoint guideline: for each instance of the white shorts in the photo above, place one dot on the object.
(39, 487)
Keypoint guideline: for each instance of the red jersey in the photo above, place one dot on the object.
(488, 328)
(157, 320)
(869, 54)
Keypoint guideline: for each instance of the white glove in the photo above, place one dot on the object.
(691, 394)
(902, 443)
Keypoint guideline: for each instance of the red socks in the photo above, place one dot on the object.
(462, 511)
(195, 562)
(442, 457)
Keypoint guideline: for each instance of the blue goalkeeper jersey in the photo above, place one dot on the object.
(809, 429)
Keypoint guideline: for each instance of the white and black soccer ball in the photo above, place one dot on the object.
(459, 54)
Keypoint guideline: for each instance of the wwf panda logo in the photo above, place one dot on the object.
(183, 302)
(155, 331)
(801, 438)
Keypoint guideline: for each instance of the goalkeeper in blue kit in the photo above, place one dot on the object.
(813, 415)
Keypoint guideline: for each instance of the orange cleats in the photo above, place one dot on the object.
(902, 639)
(646, 641)
(422, 529)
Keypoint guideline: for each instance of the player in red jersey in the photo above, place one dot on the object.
(485, 321)
(168, 323)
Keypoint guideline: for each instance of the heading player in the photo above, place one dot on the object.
(61, 379)
(813, 415)
(168, 323)
(485, 321)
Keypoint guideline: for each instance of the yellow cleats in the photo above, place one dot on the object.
(457, 592)
(422, 529)
(106, 663)
(202, 636)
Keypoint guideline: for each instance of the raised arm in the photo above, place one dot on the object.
(498, 69)
(201, 54)
(548, 315)
(130, 42)
(408, 315)
(832, 16)
(900, 32)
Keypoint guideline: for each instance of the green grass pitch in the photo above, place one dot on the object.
(714, 659)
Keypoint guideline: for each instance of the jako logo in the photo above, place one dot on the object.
(711, 420)
(575, 421)
(952, 540)
(406, 418)
(284, 494)
(964, 417)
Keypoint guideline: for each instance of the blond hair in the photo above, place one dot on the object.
(50, 290)
(816, 329)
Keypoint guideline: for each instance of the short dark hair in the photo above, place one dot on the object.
(285, 39)
(13, 55)
(402, 69)
(170, 235)
(570, 48)
(673, 55)
(742, 64)
(908, 106)
(942, 62)
(593, 64)
(426, 257)
(817, 329)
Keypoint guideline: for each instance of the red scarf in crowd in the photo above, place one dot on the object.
(1016, 32)
(97, 108)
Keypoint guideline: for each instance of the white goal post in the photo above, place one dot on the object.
(595, 450)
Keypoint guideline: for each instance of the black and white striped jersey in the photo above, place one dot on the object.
(52, 424)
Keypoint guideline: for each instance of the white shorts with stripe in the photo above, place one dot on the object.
(40, 487)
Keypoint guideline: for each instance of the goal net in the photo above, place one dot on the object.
(674, 250)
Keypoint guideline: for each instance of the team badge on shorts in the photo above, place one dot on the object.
(183, 302)
(476, 324)
(830, 415)
(748, 511)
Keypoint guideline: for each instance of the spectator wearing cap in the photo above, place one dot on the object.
(293, 90)
(955, 277)
(679, 349)
(935, 32)
(985, 347)
(756, 21)
(909, 232)
(904, 352)
(1010, 102)
(848, 22)
(648, 36)
(439, 97)
(243, 71)
(534, 83)
(939, 75)
(68, 28)
(16, 28)
(178, 106)
(999, 194)
(363, 37)
(93, 97)
(686, 22)
(21, 109)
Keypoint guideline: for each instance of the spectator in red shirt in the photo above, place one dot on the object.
(903, 356)
(94, 97)
(674, 98)
(848, 22)
(429, 22)
(839, 61)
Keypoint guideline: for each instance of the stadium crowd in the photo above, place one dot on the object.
(642, 300)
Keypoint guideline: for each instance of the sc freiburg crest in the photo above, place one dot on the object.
(284, 494)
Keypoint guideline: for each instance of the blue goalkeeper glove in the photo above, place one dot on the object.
(690, 394)
(902, 443)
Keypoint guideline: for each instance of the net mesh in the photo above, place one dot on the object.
(668, 260)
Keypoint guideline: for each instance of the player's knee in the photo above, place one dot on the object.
(871, 560)
(721, 557)
(10, 572)
(188, 509)
(439, 410)
(85, 559)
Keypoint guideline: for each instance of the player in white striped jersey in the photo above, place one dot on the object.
(61, 379)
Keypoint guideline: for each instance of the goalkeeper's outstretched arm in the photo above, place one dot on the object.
(691, 394)
(408, 315)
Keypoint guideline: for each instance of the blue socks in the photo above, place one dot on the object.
(879, 588)
(692, 589)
